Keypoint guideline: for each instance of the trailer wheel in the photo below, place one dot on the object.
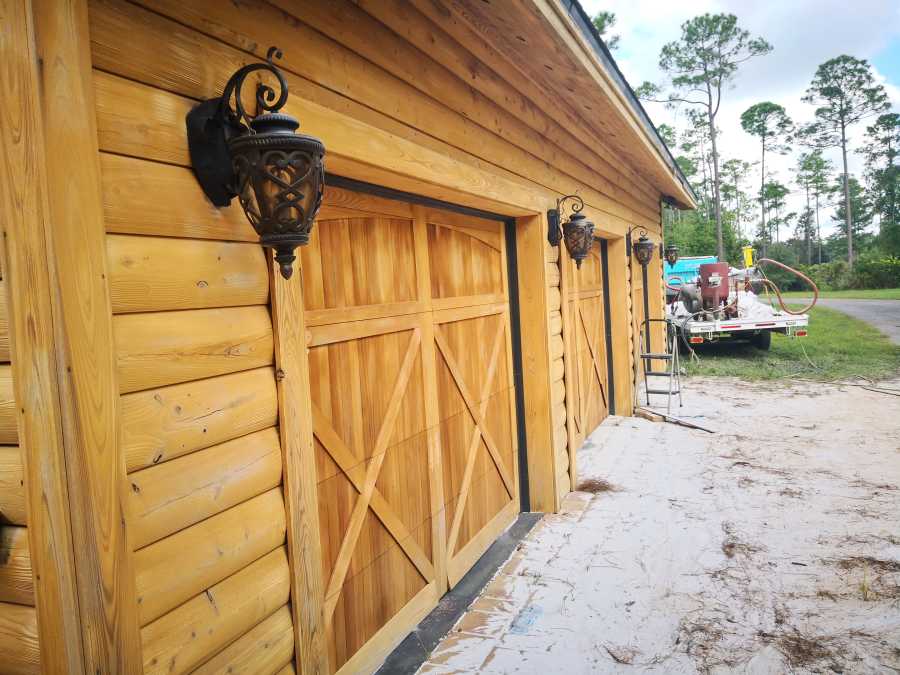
(762, 340)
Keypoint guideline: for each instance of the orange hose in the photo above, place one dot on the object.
(674, 288)
(778, 292)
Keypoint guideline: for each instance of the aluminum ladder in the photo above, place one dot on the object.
(669, 356)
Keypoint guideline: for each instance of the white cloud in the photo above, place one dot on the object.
(804, 33)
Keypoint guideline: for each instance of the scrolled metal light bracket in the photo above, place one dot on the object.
(577, 232)
(277, 173)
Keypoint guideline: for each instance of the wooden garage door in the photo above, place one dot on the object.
(587, 347)
(413, 403)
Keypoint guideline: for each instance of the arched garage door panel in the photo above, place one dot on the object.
(413, 403)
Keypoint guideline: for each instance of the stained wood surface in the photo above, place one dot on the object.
(414, 463)
(207, 623)
(4, 324)
(163, 348)
(19, 640)
(161, 424)
(175, 569)
(151, 274)
(166, 498)
(12, 486)
(389, 289)
(585, 353)
(300, 490)
(16, 583)
(473, 123)
(9, 434)
(266, 648)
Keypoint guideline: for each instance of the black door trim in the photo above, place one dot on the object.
(512, 275)
(607, 321)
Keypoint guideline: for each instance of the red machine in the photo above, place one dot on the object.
(714, 285)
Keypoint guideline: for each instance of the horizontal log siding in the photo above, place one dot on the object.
(19, 649)
(189, 288)
(558, 416)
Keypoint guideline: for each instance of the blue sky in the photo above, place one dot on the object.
(804, 33)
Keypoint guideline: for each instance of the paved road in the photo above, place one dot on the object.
(883, 314)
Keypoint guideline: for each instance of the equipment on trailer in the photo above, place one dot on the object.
(723, 303)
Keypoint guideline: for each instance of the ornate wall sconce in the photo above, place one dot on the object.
(277, 174)
(577, 231)
(670, 254)
(643, 249)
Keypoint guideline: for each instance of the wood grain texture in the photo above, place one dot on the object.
(173, 570)
(9, 434)
(81, 310)
(162, 348)
(12, 486)
(465, 120)
(166, 498)
(300, 485)
(16, 583)
(156, 54)
(4, 324)
(141, 197)
(191, 634)
(268, 648)
(19, 640)
(151, 274)
(160, 424)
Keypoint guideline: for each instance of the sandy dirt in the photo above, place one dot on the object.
(772, 546)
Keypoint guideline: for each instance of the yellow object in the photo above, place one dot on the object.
(748, 256)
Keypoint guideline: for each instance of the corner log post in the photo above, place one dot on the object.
(24, 211)
(531, 242)
(75, 256)
(295, 424)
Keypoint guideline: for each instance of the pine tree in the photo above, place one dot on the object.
(845, 92)
(770, 123)
(700, 65)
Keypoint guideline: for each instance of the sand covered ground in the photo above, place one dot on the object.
(771, 546)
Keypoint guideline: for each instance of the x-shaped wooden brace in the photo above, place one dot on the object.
(594, 359)
(480, 430)
(369, 495)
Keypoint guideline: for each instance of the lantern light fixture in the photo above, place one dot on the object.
(671, 254)
(277, 174)
(577, 232)
(643, 249)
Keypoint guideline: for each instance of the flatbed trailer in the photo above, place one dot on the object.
(759, 330)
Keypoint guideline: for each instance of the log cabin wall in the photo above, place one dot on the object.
(183, 393)
(18, 618)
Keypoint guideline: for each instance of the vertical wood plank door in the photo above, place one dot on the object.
(588, 346)
(411, 382)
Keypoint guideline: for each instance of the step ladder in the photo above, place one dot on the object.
(667, 380)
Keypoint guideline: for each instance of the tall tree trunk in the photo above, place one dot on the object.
(818, 228)
(848, 214)
(762, 195)
(807, 227)
(716, 196)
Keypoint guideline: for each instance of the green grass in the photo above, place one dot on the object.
(840, 347)
(863, 294)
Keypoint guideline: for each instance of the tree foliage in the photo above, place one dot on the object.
(701, 64)
(603, 22)
(844, 92)
(882, 155)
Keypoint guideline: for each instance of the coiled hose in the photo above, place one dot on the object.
(777, 292)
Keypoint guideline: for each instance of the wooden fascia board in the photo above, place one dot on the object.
(569, 35)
